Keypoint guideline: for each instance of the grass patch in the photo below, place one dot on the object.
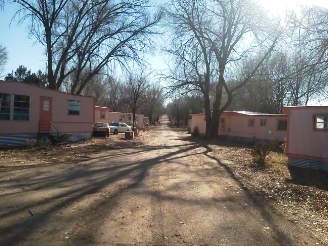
(278, 162)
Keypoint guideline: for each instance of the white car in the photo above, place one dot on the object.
(101, 129)
(119, 127)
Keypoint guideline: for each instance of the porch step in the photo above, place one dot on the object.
(47, 129)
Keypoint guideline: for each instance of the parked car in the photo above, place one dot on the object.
(101, 128)
(119, 127)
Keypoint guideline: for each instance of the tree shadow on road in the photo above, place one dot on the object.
(256, 198)
(79, 180)
(75, 184)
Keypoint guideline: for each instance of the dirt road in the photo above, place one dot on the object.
(169, 192)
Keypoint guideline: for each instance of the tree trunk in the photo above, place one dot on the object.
(133, 118)
(208, 116)
(51, 77)
(150, 116)
(214, 128)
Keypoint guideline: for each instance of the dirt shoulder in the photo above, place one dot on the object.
(306, 206)
(68, 152)
(162, 188)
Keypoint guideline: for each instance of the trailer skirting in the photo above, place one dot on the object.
(19, 140)
(308, 171)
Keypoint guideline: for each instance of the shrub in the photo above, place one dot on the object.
(283, 147)
(136, 131)
(30, 143)
(260, 151)
(45, 143)
(195, 131)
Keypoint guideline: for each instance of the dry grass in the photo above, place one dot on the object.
(305, 205)
(63, 153)
(277, 162)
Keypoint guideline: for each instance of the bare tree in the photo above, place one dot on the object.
(2, 4)
(293, 75)
(96, 88)
(285, 79)
(114, 94)
(154, 102)
(194, 60)
(174, 110)
(134, 90)
(310, 54)
(81, 37)
(228, 30)
(3, 58)
(266, 91)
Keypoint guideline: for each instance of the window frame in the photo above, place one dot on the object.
(46, 105)
(325, 122)
(263, 120)
(249, 122)
(69, 111)
(286, 125)
(222, 122)
(17, 116)
(9, 107)
(102, 114)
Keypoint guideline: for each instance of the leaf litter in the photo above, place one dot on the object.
(304, 205)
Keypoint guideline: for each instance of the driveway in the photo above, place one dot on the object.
(167, 192)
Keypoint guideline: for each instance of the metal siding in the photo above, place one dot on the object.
(308, 164)
(20, 140)
(79, 137)
(15, 140)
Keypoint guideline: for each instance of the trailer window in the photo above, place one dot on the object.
(21, 107)
(281, 125)
(222, 123)
(251, 122)
(73, 107)
(321, 122)
(5, 106)
(263, 122)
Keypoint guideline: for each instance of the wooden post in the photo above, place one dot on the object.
(129, 135)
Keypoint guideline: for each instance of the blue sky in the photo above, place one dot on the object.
(24, 50)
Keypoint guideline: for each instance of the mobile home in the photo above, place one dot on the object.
(126, 118)
(102, 114)
(246, 126)
(26, 111)
(307, 142)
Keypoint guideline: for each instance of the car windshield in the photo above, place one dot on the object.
(98, 124)
(113, 124)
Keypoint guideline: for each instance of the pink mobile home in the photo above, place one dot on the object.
(146, 121)
(27, 110)
(198, 120)
(102, 114)
(246, 126)
(126, 118)
(114, 116)
(173, 122)
(307, 141)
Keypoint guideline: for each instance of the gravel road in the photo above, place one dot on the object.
(167, 192)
